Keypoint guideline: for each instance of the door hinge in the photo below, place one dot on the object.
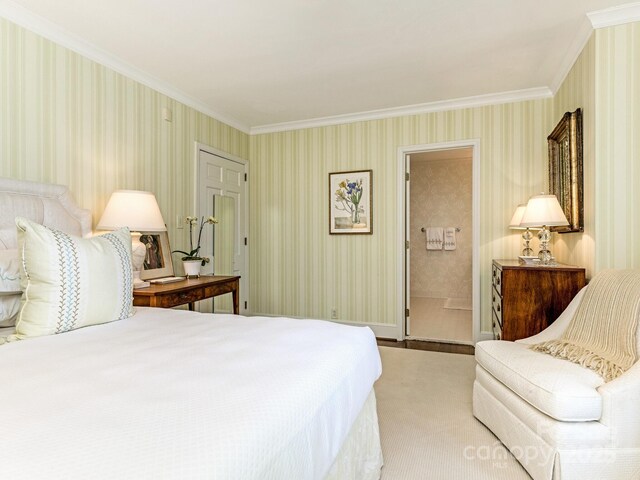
(245, 305)
(406, 244)
(406, 176)
(245, 240)
(245, 177)
(406, 312)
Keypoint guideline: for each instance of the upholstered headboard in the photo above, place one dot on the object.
(47, 204)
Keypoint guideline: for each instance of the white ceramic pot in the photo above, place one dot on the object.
(192, 268)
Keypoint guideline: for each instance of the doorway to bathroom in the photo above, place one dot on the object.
(441, 249)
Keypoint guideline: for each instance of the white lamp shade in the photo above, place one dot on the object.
(543, 210)
(517, 216)
(134, 209)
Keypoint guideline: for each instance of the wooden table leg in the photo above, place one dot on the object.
(192, 306)
(235, 293)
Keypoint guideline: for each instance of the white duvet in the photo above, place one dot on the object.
(171, 394)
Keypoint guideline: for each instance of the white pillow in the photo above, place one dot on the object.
(9, 287)
(71, 282)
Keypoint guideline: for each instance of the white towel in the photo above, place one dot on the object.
(450, 238)
(434, 238)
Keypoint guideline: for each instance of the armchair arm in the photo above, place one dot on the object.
(556, 329)
(620, 400)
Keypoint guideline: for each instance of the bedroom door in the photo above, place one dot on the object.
(221, 177)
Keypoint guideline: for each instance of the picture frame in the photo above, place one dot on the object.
(566, 170)
(157, 262)
(351, 202)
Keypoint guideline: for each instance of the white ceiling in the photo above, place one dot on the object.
(263, 62)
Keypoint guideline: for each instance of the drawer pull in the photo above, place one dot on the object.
(493, 298)
(498, 280)
(498, 307)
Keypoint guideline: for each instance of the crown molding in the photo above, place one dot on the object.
(440, 106)
(47, 29)
(615, 15)
(21, 16)
(573, 52)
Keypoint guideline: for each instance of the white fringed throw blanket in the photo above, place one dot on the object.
(602, 334)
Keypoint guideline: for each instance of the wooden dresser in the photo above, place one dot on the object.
(526, 299)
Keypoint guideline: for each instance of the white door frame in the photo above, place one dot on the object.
(475, 234)
(226, 155)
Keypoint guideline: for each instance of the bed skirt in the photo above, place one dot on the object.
(360, 457)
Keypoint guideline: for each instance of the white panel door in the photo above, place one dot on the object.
(218, 175)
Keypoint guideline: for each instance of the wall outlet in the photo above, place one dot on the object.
(334, 314)
(179, 222)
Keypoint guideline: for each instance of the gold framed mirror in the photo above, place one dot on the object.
(565, 169)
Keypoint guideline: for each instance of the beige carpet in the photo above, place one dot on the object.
(426, 425)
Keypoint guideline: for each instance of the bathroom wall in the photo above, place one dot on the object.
(440, 196)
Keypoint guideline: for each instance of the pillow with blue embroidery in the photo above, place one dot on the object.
(70, 282)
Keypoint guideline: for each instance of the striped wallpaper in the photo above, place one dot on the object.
(617, 166)
(299, 269)
(66, 119)
(578, 91)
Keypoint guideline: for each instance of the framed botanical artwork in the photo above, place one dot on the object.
(565, 169)
(351, 202)
(157, 260)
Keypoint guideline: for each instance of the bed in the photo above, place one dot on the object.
(172, 394)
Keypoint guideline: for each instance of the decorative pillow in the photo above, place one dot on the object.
(71, 282)
(10, 292)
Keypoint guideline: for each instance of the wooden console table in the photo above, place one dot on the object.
(188, 291)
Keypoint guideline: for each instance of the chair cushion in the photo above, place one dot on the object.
(561, 389)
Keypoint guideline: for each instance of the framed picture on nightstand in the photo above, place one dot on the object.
(157, 260)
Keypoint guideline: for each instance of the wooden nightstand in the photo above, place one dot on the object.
(526, 299)
(188, 291)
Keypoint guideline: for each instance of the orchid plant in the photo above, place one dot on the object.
(194, 254)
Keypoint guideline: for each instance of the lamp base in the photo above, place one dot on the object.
(138, 254)
(138, 282)
(527, 251)
(544, 254)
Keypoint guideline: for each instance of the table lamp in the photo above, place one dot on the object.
(543, 211)
(514, 224)
(139, 211)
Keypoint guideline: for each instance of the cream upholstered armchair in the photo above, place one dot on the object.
(559, 419)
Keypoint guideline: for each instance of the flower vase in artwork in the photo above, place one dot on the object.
(192, 268)
(355, 215)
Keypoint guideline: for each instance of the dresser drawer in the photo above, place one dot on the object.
(496, 306)
(497, 328)
(180, 298)
(496, 279)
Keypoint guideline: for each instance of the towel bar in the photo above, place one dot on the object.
(423, 229)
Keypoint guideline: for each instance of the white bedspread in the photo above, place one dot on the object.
(172, 394)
